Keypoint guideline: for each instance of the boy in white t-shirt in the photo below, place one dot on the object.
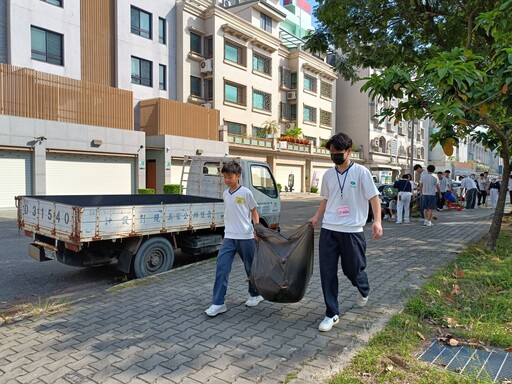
(346, 189)
(240, 208)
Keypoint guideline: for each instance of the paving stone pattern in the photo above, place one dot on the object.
(158, 332)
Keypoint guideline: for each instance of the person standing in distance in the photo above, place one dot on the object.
(346, 190)
(239, 237)
(429, 187)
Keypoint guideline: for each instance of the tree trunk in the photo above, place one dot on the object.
(491, 238)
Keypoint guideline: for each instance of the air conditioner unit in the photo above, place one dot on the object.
(206, 105)
(206, 65)
(291, 95)
(227, 3)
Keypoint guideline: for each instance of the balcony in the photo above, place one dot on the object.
(38, 95)
(297, 147)
(252, 141)
(169, 117)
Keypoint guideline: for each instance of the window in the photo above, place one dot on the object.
(261, 63)
(325, 118)
(293, 111)
(293, 80)
(162, 82)
(285, 111)
(234, 53)
(312, 139)
(262, 100)
(258, 132)
(142, 72)
(208, 89)
(234, 93)
(46, 46)
(141, 23)
(208, 47)
(195, 86)
(262, 180)
(325, 89)
(309, 83)
(54, 2)
(195, 43)
(309, 114)
(236, 128)
(286, 80)
(266, 23)
(162, 31)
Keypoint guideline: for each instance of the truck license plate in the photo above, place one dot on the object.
(50, 254)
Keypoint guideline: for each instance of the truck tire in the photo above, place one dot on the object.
(154, 256)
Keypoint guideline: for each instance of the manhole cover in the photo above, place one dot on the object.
(494, 364)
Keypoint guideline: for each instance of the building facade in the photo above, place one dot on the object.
(106, 96)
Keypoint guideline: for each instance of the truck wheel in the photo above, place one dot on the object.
(154, 256)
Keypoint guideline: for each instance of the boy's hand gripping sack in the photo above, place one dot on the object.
(282, 266)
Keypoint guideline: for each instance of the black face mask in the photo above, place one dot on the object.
(338, 158)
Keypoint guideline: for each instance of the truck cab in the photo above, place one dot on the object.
(202, 177)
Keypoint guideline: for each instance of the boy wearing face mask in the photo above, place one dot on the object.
(346, 189)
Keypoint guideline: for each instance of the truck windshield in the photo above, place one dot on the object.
(262, 180)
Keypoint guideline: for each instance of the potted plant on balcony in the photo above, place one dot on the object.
(270, 128)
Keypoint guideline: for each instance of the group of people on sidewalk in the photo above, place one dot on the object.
(346, 190)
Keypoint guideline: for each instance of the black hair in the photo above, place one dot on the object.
(439, 173)
(417, 166)
(341, 141)
(447, 171)
(431, 168)
(232, 167)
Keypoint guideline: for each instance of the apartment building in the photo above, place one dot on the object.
(468, 157)
(389, 148)
(236, 57)
(106, 96)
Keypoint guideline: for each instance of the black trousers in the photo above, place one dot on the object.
(481, 197)
(350, 248)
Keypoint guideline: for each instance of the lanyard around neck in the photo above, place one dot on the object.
(338, 173)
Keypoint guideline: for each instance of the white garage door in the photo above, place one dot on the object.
(71, 174)
(15, 176)
(283, 171)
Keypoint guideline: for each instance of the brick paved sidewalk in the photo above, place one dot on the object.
(158, 332)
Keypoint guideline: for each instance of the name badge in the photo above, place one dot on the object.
(343, 210)
(239, 200)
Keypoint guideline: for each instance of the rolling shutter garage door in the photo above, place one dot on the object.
(15, 176)
(73, 174)
(283, 170)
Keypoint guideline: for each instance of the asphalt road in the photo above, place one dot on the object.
(22, 279)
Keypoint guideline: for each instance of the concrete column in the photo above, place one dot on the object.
(39, 168)
(308, 174)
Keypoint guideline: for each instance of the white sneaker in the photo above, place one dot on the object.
(361, 301)
(386, 217)
(429, 224)
(215, 310)
(328, 322)
(254, 301)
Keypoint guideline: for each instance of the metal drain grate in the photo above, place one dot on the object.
(495, 364)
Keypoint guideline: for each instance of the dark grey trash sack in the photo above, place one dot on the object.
(282, 266)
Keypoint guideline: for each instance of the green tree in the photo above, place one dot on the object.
(447, 61)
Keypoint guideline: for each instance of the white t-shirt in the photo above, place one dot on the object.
(237, 213)
(429, 184)
(347, 213)
(468, 183)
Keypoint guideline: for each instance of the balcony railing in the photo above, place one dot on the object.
(38, 95)
(169, 117)
(250, 140)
